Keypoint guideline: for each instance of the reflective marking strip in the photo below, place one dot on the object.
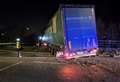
(7, 67)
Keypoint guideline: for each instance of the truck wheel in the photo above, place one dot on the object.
(53, 52)
(111, 55)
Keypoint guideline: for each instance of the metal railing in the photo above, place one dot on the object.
(109, 47)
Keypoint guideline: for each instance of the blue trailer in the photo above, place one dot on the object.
(76, 26)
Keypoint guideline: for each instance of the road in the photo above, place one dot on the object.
(8, 53)
(47, 69)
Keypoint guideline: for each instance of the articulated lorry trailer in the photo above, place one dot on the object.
(73, 28)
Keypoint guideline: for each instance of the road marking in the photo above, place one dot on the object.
(7, 67)
(44, 62)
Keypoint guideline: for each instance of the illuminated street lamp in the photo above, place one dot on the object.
(2, 34)
(27, 28)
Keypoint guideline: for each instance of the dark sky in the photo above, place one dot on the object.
(26, 12)
(37, 13)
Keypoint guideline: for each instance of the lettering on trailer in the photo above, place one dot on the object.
(79, 18)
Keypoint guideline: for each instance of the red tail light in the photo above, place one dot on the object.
(93, 50)
(66, 54)
(45, 44)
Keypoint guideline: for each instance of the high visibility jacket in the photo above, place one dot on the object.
(18, 45)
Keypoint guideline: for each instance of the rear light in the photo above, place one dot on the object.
(93, 50)
(45, 44)
(66, 54)
(71, 54)
(59, 54)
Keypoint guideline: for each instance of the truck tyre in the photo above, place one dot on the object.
(111, 55)
(53, 52)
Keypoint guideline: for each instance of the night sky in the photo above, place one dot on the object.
(38, 13)
(28, 13)
(16, 14)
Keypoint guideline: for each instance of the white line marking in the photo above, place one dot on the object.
(7, 67)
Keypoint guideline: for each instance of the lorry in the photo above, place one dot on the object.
(72, 32)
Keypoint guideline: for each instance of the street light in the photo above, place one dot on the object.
(2, 34)
(27, 28)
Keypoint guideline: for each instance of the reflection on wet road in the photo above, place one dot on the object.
(90, 73)
(70, 72)
(48, 72)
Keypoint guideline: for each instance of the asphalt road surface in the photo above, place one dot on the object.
(49, 70)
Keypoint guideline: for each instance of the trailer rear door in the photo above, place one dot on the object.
(79, 28)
